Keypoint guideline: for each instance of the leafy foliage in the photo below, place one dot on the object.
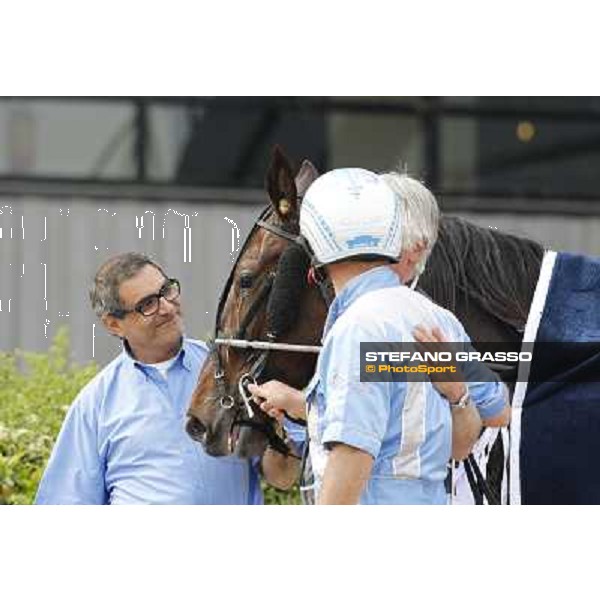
(35, 392)
(274, 496)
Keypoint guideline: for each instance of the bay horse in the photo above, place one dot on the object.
(266, 297)
(485, 277)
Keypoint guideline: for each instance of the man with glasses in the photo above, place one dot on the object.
(123, 440)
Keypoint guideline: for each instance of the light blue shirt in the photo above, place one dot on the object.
(124, 442)
(405, 426)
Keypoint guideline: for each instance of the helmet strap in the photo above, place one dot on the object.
(315, 276)
(418, 272)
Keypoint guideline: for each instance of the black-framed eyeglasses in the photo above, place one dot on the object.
(149, 305)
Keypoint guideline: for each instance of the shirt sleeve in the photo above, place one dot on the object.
(490, 398)
(489, 394)
(296, 434)
(75, 472)
(356, 413)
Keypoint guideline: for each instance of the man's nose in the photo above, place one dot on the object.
(165, 307)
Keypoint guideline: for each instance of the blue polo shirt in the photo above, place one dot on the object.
(405, 426)
(124, 442)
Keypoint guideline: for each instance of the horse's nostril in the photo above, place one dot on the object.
(195, 428)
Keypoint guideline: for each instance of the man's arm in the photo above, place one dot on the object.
(353, 418)
(278, 470)
(499, 418)
(466, 422)
(276, 399)
(502, 419)
(75, 474)
(488, 393)
(346, 475)
(466, 425)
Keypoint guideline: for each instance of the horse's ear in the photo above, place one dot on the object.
(306, 175)
(282, 187)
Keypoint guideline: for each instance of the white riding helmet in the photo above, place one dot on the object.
(351, 212)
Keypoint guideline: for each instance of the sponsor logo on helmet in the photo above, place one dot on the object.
(363, 241)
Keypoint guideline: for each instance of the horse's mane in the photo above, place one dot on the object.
(497, 270)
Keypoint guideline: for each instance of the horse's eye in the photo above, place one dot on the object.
(246, 280)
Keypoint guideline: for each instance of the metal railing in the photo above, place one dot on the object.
(429, 110)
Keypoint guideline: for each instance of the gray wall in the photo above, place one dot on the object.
(81, 233)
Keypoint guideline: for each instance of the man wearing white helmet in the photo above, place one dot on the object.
(375, 442)
(420, 220)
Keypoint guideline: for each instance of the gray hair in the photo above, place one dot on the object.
(104, 293)
(420, 212)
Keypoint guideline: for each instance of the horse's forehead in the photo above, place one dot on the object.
(272, 248)
(263, 251)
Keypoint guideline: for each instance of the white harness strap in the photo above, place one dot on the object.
(260, 345)
(461, 490)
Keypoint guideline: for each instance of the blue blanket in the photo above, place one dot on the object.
(556, 427)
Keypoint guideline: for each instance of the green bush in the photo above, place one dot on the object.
(273, 496)
(36, 391)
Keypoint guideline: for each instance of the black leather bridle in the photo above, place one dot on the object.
(257, 359)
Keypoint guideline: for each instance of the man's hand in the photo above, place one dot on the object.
(449, 385)
(278, 399)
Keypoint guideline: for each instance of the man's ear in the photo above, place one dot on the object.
(113, 325)
(415, 254)
(408, 261)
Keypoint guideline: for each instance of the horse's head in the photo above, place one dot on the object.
(267, 298)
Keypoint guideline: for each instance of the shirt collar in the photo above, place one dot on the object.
(369, 281)
(183, 356)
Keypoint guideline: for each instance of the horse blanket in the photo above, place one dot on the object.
(555, 429)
